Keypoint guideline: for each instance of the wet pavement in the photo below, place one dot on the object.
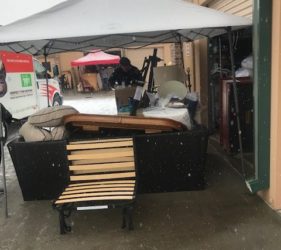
(223, 216)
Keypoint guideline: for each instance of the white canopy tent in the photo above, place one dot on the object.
(82, 25)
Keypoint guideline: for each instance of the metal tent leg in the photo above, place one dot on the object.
(4, 192)
(234, 84)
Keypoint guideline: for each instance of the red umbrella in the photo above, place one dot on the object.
(96, 57)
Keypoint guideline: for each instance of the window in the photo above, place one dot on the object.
(40, 71)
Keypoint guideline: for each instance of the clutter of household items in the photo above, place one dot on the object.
(168, 97)
(166, 94)
(152, 91)
(170, 104)
(168, 147)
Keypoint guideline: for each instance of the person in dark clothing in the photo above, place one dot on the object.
(125, 74)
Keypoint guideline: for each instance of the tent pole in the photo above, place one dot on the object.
(220, 57)
(46, 75)
(181, 48)
(192, 44)
(235, 95)
(187, 81)
(3, 164)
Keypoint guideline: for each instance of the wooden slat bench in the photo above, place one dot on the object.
(102, 175)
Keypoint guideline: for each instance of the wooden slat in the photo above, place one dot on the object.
(219, 4)
(109, 170)
(87, 190)
(102, 176)
(103, 160)
(94, 194)
(82, 188)
(246, 13)
(102, 183)
(100, 145)
(109, 198)
(240, 9)
(109, 155)
(105, 166)
(100, 141)
(99, 151)
(232, 5)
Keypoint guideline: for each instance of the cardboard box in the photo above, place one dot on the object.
(122, 96)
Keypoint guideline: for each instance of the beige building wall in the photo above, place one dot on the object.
(137, 55)
(66, 58)
(237, 7)
(273, 195)
(62, 60)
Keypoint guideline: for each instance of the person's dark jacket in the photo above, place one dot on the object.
(129, 77)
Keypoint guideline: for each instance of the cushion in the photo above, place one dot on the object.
(51, 116)
(32, 133)
(59, 133)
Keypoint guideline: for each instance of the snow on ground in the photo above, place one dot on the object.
(92, 103)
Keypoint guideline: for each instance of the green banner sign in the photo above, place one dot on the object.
(26, 80)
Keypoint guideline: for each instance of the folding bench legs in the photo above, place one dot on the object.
(64, 212)
(127, 220)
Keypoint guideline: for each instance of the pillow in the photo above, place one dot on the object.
(59, 133)
(32, 133)
(51, 116)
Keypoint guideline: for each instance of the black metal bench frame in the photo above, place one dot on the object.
(64, 204)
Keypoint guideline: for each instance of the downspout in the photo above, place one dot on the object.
(262, 71)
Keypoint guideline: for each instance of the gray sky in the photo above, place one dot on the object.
(12, 10)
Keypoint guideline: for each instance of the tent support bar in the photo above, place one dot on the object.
(24, 49)
(46, 75)
(262, 81)
(235, 94)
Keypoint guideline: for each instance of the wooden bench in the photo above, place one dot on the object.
(102, 176)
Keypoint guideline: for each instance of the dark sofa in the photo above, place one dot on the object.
(165, 162)
(41, 168)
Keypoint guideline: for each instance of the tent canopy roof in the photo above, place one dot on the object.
(85, 24)
(96, 57)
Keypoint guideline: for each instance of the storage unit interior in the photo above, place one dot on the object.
(222, 112)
